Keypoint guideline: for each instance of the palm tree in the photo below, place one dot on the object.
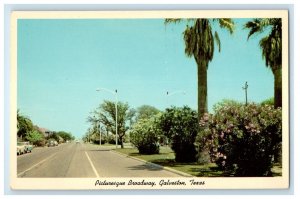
(199, 43)
(271, 46)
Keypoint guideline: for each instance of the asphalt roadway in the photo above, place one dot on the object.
(79, 160)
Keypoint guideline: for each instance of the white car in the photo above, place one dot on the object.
(21, 149)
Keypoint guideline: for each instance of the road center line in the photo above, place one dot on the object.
(21, 173)
(94, 169)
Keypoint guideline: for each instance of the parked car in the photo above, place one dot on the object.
(20, 148)
(51, 143)
(26, 146)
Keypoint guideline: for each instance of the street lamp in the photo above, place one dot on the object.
(245, 88)
(116, 105)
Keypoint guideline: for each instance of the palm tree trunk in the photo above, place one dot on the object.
(202, 87)
(277, 87)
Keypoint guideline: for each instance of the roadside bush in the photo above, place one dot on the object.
(180, 126)
(35, 137)
(103, 141)
(242, 140)
(144, 135)
(41, 143)
(95, 138)
(111, 139)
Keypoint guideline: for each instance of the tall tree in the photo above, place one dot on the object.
(146, 112)
(106, 114)
(24, 125)
(271, 46)
(200, 43)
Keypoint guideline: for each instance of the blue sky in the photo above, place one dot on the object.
(61, 63)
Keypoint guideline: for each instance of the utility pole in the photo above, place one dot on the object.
(245, 88)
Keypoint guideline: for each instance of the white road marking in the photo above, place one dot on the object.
(94, 169)
(21, 173)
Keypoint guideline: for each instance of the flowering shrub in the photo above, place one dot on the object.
(145, 135)
(241, 139)
(180, 125)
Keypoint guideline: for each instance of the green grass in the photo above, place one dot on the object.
(105, 144)
(166, 158)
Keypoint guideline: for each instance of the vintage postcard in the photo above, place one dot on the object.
(149, 100)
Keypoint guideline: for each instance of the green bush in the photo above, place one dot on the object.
(269, 101)
(144, 135)
(111, 139)
(35, 137)
(180, 126)
(242, 140)
(41, 143)
(103, 141)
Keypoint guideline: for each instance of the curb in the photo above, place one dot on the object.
(155, 165)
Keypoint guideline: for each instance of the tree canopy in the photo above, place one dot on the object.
(106, 114)
(24, 125)
(146, 112)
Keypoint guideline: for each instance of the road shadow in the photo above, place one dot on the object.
(149, 167)
(209, 172)
(192, 167)
(99, 150)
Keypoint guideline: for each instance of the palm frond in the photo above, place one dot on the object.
(271, 51)
(189, 40)
(254, 26)
(172, 20)
(218, 41)
(264, 45)
(178, 20)
(227, 23)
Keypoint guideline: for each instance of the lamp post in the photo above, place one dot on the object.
(116, 106)
(245, 88)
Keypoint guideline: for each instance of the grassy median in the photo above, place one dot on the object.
(166, 158)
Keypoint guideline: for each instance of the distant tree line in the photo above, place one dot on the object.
(27, 131)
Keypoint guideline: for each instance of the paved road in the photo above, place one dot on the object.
(83, 160)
